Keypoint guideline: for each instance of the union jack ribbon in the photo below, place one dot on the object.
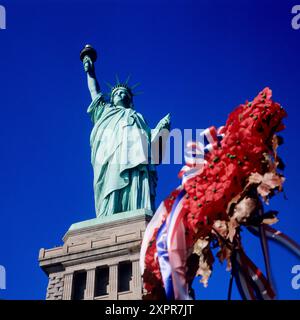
(153, 224)
(196, 152)
(177, 250)
(163, 260)
(251, 282)
(264, 245)
(242, 280)
(279, 237)
(172, 251)
(163, 254)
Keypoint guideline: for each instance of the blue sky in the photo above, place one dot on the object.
(194, 59)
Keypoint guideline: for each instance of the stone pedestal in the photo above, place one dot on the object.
(99, 259)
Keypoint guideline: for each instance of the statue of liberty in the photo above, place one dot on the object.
(125, 176)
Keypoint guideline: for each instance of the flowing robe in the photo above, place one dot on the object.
(124, 178)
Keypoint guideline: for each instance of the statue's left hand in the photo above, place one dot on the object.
(165, 123)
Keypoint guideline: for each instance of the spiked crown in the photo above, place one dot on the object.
(122, 85)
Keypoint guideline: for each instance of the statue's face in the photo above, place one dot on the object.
(121, 98)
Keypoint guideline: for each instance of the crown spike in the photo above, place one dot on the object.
(128, 78)
(135, 86)
(138, 93)
(109, 85)
(117, 78)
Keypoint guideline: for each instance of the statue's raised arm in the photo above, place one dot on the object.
(88, 56)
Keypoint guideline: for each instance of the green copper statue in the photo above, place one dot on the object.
(120, 133)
